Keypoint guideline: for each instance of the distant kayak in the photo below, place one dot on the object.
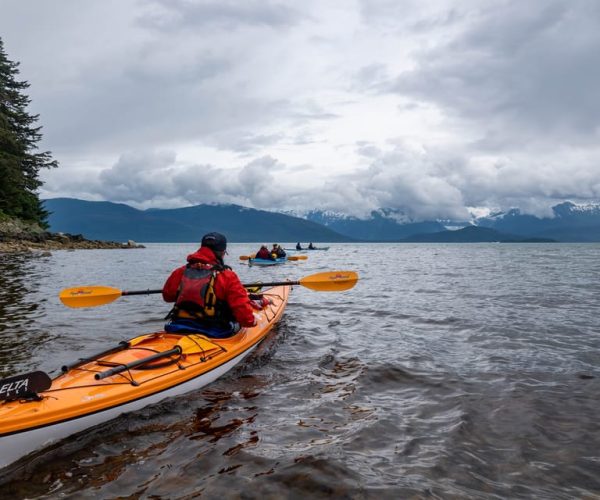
(267, 262)
(305, 249)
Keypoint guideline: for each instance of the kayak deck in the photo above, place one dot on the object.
(78, 393)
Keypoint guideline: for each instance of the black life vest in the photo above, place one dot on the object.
(196, 297)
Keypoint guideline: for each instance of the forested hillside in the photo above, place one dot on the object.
(20, 162)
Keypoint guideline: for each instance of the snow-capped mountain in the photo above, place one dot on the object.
(570, 222)
(385, 224)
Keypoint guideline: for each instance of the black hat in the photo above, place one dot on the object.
(215, 241)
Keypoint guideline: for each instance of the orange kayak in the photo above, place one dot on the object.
(142, 371)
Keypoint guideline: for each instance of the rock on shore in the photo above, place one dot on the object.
(19, 236)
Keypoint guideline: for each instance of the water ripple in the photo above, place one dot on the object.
(449, 371)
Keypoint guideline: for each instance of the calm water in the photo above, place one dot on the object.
(449, 371)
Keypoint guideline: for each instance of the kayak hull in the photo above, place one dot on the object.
(15, 446)
(267, 262)
(77, 401)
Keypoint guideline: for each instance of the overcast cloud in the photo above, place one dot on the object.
(437, 108)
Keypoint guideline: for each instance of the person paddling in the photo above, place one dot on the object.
(209, 297)
(278, 251)
(298, 246)
(311, 246)
(264, 253)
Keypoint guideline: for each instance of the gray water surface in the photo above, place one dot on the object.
(449, 371)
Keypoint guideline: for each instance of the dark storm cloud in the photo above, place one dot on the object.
(373, 77)
(157, 178)
(523, 71)
(181, 14)
(147, 97)
(142, 87)
(516, 86)
(428, 106)
(242, 141)
(123, 106)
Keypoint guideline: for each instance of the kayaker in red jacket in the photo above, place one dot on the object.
(264, 253)
(208, 295)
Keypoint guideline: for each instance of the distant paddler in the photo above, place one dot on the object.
(264, 253)
(277, 251)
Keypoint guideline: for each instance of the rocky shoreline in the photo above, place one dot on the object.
(19, 236)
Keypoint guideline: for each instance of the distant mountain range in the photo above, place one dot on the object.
(382, 225)
(570, 223)
(103, 220)
(115, 221)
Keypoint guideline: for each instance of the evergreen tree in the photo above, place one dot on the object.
(19, 161)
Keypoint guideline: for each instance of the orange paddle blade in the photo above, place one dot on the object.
(297, 257)
(331, 281)
(89, 296)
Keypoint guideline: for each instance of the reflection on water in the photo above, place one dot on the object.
(449, 371)
(21, 303)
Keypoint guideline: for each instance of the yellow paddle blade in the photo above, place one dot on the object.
(297, 257)
(331, 281)
(89, 296)
(255, 288)
(247, 257)
(141, 338)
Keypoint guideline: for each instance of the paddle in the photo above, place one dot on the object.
(123, 368)
(92, 296)
(186, 345)
(289, 257)
(120, 347)
(24, 386)
(330, 281)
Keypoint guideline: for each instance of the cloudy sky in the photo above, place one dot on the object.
(439, 108)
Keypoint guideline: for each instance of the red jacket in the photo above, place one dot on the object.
(263, 253)
(227, 287)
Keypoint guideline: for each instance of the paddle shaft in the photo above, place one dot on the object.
(122, 346)
(246, 285)
(141, 292)
(139, 362)
(273, 283)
